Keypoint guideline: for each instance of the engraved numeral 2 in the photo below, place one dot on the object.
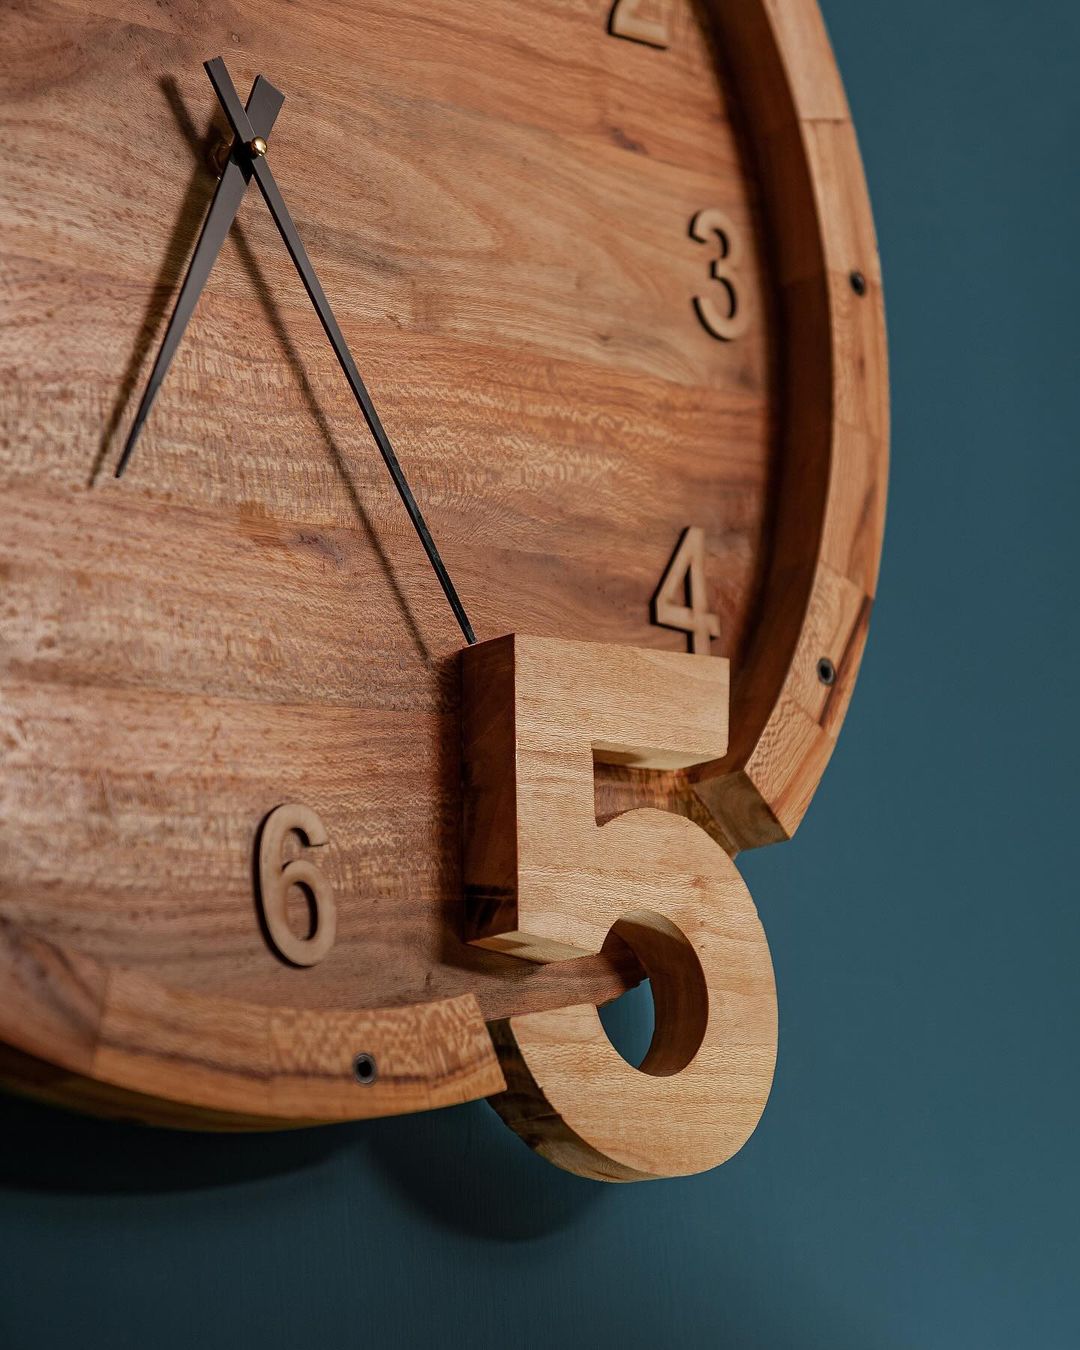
(680, 600)
(627, 22)
(730, 320)
(275, 878)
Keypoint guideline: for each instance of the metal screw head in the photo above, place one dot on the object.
(364, 1068)
(257, 147)
(858, 283)
(826, 671)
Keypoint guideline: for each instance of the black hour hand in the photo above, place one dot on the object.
(263, 106)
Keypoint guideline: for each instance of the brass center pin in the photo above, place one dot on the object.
(257, 147)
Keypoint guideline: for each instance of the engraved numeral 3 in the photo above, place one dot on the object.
(726, 320)
(275, 878)
(628, 22)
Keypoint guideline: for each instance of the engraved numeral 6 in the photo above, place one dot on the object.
(546, 883)
(730, 320)
(275, 878)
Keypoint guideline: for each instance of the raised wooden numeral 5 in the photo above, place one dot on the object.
(545, 882)
(627, 21)
(276, 876)
(731, 319)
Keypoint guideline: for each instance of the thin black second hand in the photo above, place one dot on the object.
(234, 111)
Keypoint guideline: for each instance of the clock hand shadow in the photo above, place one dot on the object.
(185, 230)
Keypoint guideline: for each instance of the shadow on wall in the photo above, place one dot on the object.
(461, 1167)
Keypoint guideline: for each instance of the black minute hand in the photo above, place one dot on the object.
(256, 146)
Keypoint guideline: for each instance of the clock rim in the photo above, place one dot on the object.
(63, 1045)
(834, 428)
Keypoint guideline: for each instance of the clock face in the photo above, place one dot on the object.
(544, 229)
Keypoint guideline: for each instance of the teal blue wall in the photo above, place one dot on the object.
(914, 1181)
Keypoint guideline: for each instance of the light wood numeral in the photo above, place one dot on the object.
(730, 320)
(681, 601)
(546, 883)
(275, 878)
(626, 21)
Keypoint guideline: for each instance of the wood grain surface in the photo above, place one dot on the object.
(497, 198)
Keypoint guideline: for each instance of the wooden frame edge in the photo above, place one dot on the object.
(791, 694)
(115, 1042)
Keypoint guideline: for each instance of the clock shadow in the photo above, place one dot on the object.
(189, 221)
(459, 1167)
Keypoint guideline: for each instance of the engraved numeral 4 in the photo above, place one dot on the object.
(680, 600)
(627, 21)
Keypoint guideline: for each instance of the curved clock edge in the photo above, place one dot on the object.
(791, 694)
(115, 1042)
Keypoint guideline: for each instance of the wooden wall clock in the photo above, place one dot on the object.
(279, 843)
